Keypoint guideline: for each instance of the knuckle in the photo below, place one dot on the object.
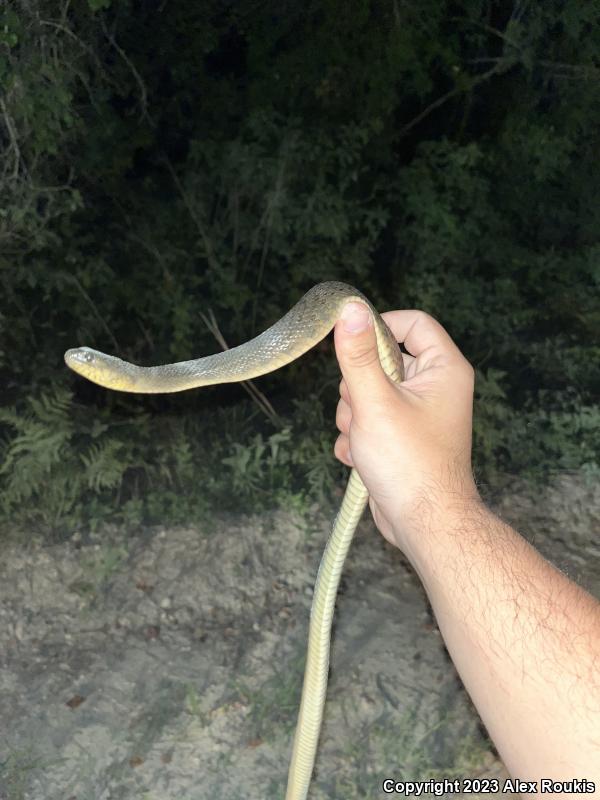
(341, 449)
(339, 418)
(468, 370)
(423, 318)
(364, 357)
(343, 416)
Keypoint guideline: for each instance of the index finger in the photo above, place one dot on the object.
(419, 331)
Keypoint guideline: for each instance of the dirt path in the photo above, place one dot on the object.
(167, 665)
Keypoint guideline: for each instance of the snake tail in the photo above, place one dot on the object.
(316, 670)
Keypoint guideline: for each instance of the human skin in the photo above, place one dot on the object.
(523, 637)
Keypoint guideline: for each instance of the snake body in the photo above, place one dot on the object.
(309, 321)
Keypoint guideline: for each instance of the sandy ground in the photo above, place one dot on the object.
(168, 664)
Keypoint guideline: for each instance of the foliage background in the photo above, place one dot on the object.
(162, 159)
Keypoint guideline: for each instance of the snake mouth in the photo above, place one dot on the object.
(99, 368)
(88, 363)
(83, 361)
(79, 355)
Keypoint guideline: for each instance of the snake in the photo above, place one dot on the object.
(306, 324)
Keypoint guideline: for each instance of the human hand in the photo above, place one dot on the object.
(410, 442)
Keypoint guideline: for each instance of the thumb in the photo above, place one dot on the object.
(356, 350)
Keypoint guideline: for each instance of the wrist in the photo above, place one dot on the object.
(435, 518)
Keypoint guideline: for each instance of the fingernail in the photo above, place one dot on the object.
(356, 317)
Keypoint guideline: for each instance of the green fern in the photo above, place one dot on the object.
(104, 465)
(31, 457)
(53, 458)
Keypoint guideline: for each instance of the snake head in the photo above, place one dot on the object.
(100, 368)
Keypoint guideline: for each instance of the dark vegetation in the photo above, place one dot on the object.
(160, 159)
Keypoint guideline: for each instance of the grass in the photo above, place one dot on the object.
(274, 705)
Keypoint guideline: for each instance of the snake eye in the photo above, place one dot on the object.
(88, 357)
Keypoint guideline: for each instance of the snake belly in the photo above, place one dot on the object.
(309, 321)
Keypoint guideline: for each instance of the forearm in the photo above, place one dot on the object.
(524, 638)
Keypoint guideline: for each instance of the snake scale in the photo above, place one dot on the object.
(309, 321)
